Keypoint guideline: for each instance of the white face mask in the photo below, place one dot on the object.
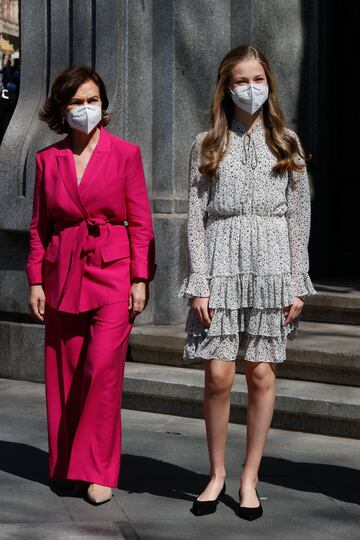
(84, 117)
(251, 97)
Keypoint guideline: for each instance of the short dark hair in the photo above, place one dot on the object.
(63, 89)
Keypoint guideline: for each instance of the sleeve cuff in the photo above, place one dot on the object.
(34, 274)
(145, 272)
(301, 285)
(195, 285)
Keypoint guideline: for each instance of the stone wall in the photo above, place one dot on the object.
(159, 60)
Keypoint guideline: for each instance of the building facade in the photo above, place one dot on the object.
(159, 60)
(9, 29)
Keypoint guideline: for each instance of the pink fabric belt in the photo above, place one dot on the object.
(85, 241)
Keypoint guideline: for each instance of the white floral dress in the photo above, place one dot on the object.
(248, 233)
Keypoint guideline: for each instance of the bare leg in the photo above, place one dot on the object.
(261, 383)
(219, 378)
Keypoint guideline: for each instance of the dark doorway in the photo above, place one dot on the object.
(335, 243)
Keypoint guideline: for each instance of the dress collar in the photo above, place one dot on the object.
(238, 127)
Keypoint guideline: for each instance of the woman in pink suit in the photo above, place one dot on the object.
(90, 260)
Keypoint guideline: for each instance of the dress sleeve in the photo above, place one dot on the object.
(40, 230)
(197, 281)
(298, 218)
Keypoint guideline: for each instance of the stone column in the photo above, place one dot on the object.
(186, 56)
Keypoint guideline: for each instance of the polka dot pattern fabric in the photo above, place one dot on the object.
(248, 233)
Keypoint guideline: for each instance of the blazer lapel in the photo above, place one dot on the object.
(96, 163)
(67, 171)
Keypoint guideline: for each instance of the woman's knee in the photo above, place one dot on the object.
(260, 375)
(219, 378)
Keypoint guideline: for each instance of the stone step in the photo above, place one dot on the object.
(300, 405)
(321, 352)
(334, 303)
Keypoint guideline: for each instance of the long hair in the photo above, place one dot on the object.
(284, 147)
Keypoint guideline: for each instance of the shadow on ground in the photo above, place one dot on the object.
(141, 474)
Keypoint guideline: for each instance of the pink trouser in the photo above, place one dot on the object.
(84, 371)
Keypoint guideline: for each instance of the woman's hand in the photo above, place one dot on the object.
(138, 297)
(36, 302)
(292, 312)
(200, 306)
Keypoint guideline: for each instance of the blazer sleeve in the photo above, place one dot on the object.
(142, 242)
(40, 229)
(298, 219)
(197, 281)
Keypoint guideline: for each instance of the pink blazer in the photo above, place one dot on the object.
(80, 248)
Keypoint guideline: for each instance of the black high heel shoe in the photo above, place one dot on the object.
(248, 513)
(203, 508)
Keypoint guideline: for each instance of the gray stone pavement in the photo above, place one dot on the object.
(309, 484)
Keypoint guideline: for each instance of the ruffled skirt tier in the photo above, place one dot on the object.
(249, 283)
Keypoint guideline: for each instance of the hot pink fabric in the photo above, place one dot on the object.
(86, 258)
(84, 370)
(80, 248)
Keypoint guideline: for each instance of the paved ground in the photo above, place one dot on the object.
(309, 484)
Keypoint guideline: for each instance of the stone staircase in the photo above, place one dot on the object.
(318, 387)
(334, 303)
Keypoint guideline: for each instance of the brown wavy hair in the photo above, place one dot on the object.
(284, 147)
(63, 89)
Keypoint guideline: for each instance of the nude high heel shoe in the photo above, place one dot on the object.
(97, 494)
